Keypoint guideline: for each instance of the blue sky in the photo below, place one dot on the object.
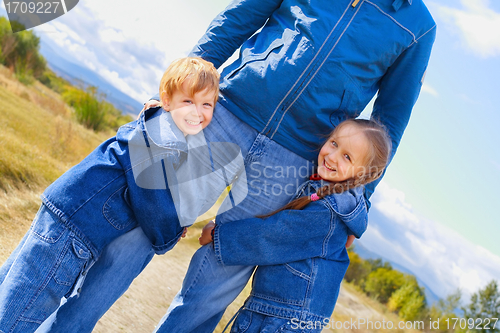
(435, 211)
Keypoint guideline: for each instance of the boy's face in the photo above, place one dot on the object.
(191, 114)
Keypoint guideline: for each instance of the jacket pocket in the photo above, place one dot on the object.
(341, 114)
(117, 210)
(274, 282)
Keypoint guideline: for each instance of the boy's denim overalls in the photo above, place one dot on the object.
(91, 204)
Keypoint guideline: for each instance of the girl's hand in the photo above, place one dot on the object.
(206, 233)
(184, 232)
(350, 240)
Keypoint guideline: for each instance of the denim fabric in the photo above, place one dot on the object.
(99, 198)
(304, 282)
(254, 322)
(208, 286)
(117, 266)
(315, 63)
(47, 265)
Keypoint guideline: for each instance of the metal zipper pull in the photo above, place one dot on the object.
(355, 3)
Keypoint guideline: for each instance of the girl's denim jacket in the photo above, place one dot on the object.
(99, 198)
(301, 253)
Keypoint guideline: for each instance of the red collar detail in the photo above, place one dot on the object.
(315, 176)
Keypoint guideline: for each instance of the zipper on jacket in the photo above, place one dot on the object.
(329, 44)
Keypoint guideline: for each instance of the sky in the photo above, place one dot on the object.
(435, 210)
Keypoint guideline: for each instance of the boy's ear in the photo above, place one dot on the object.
(165, 102)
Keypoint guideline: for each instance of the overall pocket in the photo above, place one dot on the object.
(48, 266)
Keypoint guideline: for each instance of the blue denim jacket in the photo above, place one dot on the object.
(301, 253)
(99, 198)
(318, 62)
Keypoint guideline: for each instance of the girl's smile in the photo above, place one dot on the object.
(342, 156)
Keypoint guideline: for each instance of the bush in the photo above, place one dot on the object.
(20, 52)
(409, 300)
(382, 282)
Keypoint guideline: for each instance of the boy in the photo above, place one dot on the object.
(112, 191)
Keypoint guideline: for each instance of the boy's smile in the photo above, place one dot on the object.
(191, 114)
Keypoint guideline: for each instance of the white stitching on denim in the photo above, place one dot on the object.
(317, 70)
(392, 18)
(305, 70)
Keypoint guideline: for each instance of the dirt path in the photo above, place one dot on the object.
(147, 300)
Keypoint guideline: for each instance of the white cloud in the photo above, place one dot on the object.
(439, 256)
(478, 24)
(430, 90)
(127, 43)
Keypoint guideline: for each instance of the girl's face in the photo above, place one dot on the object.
(343, 156)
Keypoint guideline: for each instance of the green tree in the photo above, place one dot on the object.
(443, 310)
(484, 306)
(409, 300)
(383, 282)
(358, 269)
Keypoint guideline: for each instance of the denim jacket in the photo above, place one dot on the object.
(315, 63)
(301, 253)
(99, 198)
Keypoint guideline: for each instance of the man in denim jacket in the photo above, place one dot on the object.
(312, 65)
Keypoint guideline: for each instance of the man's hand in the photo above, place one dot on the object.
(206, 233)
(152, 103)
(350, 240)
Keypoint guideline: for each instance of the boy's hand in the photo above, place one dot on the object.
(206, 233)
(183, 234)
(152, 103)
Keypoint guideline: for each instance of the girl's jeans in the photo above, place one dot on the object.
(273, 173)
(48, 266)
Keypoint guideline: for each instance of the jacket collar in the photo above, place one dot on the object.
(398, 3)
(349, 206)
(160, 131)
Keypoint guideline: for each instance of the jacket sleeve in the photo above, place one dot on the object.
(287, 236)
(399, 90)
(232, 27)
(155, 211)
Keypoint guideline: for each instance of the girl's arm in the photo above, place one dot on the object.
(287, 236)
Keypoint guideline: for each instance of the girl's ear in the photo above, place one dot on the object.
(165, 102)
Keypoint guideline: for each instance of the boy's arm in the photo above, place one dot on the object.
(232, 27)
(287, 236)
(155, 211)
(399, 90)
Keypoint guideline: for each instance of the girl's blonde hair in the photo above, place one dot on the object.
(198, 73)
(375, 163)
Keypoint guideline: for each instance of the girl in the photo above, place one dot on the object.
(300, 249)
